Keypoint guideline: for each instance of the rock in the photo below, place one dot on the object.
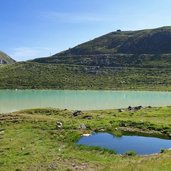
(120, 110)
(169, 135)
(129, 108)
(122, 124)
(52, 166)
(73, 165)
(134, 108)
(82, 126)
(101, 129)
(59, 124)
(76, 113)
(86, 135)
(87, 117)
(138, 107)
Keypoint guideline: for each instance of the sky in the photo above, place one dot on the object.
(39, 28)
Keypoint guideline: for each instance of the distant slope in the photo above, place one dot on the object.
(5, 59)
(143, 48)
(58, 76)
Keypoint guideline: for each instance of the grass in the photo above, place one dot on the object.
(58, 76)
(29, 140)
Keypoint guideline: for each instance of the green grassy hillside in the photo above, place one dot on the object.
(143, 48)
(134, 60)
(5, 59)
(55, 76)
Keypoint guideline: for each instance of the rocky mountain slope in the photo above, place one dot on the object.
(5, 59)
(143, 48)
(121, 60)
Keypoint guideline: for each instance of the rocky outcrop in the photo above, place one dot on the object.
(5, 59)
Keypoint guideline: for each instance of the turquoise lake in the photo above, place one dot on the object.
(12, 100)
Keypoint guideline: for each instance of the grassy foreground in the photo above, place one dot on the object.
(30, 141)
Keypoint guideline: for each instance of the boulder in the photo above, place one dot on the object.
(76, 113)
(102, 129)
(82, 126)
(86, 135)
(87, 117)
(59, 124)
(122, 124)
(134, 108)
(138, 107)
(129, 108)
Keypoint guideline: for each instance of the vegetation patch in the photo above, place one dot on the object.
(31, 75)
(30, 140)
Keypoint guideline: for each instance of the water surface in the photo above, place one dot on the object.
(140, 144)
(11, 100)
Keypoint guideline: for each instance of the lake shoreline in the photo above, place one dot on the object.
(100, 89)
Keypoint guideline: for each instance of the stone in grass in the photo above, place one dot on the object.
(138, 107)
(163, 150)
(134, 108)
(76, 113)
(87, 117)
(120, 110)
(59, 124)
(82, 126)
(129, 108)
(122, 124)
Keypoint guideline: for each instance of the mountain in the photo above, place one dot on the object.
(142, 48)
(121, 60)
(5, 59)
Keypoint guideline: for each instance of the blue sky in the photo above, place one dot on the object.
(37, 28)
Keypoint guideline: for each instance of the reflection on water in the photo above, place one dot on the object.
(140, 144)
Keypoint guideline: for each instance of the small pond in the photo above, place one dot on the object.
(142, 145)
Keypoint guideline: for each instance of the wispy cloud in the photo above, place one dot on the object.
(75, 17)
(25, 53)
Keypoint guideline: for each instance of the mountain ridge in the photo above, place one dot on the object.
(119, 48)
